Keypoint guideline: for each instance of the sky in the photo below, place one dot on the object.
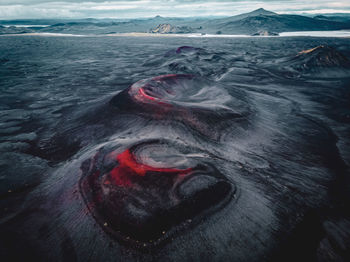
(24, 9)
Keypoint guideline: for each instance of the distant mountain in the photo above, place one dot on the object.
(262, 20)
(257, 12)
(114, 26)
(337, 18)
(260, 11)
(258, 22)
(15, 30)
(170, 29)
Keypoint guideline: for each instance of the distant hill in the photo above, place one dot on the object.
(257, 12)
(15, 30)
(265, 33)
(338, 18)
(252, 23)
(170, 29)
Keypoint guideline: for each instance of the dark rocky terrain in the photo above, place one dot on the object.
(174, 149)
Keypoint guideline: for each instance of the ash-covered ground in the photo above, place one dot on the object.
(174, 149)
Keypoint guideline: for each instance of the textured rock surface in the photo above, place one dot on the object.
(170, 29)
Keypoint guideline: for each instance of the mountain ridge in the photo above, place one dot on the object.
(251, 23)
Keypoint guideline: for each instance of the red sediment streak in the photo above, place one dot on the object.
(128, 166)
(153, 99)
(142, 92)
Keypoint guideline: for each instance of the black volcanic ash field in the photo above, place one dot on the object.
(178, 149)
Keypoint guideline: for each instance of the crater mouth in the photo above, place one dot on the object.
(195, 101)
(142, 199)
(178, 91)
(181, 90)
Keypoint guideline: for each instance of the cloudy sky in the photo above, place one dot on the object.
(19, 9)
